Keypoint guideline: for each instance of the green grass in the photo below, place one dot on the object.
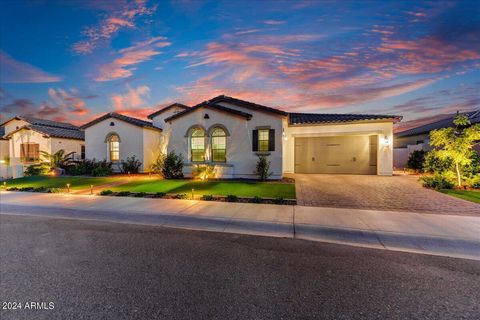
(219, 188)
(470, 195)
(76, 183)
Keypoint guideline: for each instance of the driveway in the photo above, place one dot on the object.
(396, 193)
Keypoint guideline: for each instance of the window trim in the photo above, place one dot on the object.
(212, 149)
(190, 137)
(111, 151)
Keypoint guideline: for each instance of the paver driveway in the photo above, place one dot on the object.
(397, 193)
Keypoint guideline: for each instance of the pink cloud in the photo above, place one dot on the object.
(274, 22)
(109, 26)
(134, 98)
(14, 71)
(124, 66)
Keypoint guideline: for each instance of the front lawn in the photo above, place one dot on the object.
(470, 195)
(153, 185)
(76, 183)
(218, 188)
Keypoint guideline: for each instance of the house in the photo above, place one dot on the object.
(23, 137)
(418, 138)
(115, 137)
(230, 134)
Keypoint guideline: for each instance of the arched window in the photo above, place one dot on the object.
(219, 145)
(197, 144)
(114, 147)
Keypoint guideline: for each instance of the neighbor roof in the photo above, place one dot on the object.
(42, 122)
(53, 132)
(213, 106)
(2, 132)
(313, 118)
(473, 116)
(156, 113)
(246, 104)
(131, 120)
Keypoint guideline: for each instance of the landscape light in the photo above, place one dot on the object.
(193, 195)
(68, 187)
(91, 189)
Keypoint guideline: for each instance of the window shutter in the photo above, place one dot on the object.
(255, 140)
(271, 140)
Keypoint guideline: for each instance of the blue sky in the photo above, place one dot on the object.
(75, 60)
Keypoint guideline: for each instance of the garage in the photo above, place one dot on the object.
(347, 154)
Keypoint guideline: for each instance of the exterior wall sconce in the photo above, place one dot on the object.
(386, 141)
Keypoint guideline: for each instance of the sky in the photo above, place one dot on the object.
(75, 60)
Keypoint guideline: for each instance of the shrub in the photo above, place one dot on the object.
(40, 189)
(53, 190)
(256, 199)
(106, 192)
(416, 159)
(434, 164)
(203, 172)
(102, 168)
(437, 182)
(131, 165)
(157, 166)
(181, 196)
(263, 168)
(12, 189)
(122, 194)
(207, 197)
(139, 194)
(160, 194)
(279, 200)
(231, 198)
(36, 170)
(83, 167)
(172, 166)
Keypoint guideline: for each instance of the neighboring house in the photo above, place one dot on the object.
(231, 133)
(115, 137)
(418, 138)
(22, 139)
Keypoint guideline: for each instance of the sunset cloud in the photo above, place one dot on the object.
(13, 71)
(133, 99)
(109, 26)
(124, 66)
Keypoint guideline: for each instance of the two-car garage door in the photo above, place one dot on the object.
(336, 154)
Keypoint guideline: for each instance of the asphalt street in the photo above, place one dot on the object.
(101, 270)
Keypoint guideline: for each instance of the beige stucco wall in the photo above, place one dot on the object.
(239, 143)
(69, 145)
(153, 147)
(159, 122)
(134, 141)
(26, 136)
(4, 159)
(382, 129)
(14, 125)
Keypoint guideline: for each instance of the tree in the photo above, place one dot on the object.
(456, 144)
(57, 160)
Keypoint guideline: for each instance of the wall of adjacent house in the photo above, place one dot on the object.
(26, 136)
(5, 172)
(14, 125)
(403, 142)
(382, 129)
(69, 145)
(153, 147)
(239, 143)
(131, 140)
(159, 122)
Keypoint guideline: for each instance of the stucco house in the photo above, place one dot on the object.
(418, 138)
(22, 138)
(230, 134)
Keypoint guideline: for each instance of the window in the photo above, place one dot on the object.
(114, 148)
(219, 145)
(29, 152)
(82, 152)
(263, 140)
(197, 144)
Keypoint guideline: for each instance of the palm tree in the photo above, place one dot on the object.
(58, 159)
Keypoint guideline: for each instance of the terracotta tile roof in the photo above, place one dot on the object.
(131, 120)
(246, 104)
(313, 118)
(53, 132)
(156, 113)
(213, 106)
(473, 116)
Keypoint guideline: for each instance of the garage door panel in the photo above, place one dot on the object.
(337, 154)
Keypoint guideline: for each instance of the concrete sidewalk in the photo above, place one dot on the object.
(447, 235)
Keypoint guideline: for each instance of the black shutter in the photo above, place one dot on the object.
(271, 140)
(255, 140)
